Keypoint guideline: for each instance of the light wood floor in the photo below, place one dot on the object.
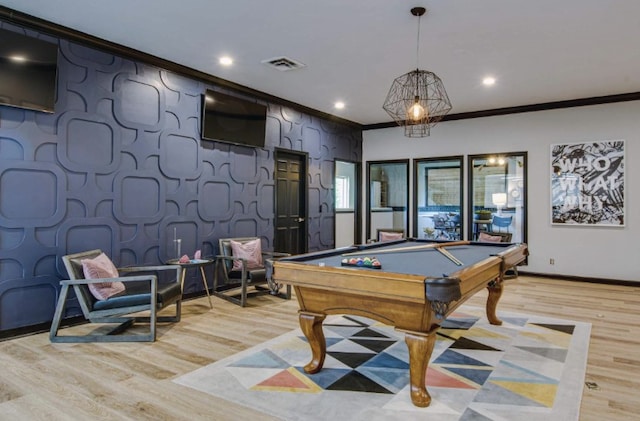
(44, 381)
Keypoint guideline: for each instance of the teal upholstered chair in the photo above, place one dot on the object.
(499, 223)
(142, 294)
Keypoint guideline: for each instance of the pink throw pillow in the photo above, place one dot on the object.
(487, 238)
(102, 267)
(250, 250)
(390, 236)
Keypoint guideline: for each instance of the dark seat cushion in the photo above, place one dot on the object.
(253, 276)
(139, 295)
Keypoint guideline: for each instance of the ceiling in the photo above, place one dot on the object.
(538, 51)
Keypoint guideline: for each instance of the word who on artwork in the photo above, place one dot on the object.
(572, 183)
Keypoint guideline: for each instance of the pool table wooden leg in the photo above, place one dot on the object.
(495, 292)
(420, 349)
(311, 325)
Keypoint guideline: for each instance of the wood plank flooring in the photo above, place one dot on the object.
(129, 381)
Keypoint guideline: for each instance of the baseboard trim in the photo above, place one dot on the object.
(39, 328)
(581, 278)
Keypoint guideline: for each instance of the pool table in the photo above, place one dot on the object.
(418, 284)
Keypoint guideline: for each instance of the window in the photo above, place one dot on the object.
(343, 193)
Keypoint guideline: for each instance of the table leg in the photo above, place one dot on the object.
(420, 350)
(182, 276)
(206, 285)
(495, 292)
(311, 325)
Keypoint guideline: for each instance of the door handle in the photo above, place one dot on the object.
(299, 219)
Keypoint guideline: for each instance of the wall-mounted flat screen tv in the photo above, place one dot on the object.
(28, 68)
(231, 119)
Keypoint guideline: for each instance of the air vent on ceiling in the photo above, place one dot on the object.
(283, 63)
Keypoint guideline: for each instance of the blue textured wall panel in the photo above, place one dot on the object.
(120, 166)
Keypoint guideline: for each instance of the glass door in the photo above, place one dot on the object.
(437, 198)
(387, 197)
(497, 195)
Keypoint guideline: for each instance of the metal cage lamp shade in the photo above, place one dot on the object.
(417, 100)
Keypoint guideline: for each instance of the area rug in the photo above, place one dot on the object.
(530, 368)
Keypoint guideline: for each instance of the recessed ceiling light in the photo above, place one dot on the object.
(226, 61)
(488, 81)
(18, 59)
(339, 105)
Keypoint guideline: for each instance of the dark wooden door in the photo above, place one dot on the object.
(291, 203)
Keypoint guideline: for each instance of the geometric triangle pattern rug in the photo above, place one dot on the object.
(530, 368)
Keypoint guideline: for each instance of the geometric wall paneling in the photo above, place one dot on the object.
(244, 165)
(187, 231)
(27, 253)
(190, 240)
(139, 197)
(88, 80)
(178, 228)
(183, 98)
(139, 247)
(88, 143)
(181, 85)
(81, 234)
(214, 200)
(292, 116)
(40, 292)
(327, 231)
(11, 269)
(139, 102)
(273, 132)
(120, 165)
(90, 58)
(11, 118)
(313, 219)
(10, 148)
(179, 156)
(23, 125)
(266, 193)
(312, 141)
(244, 227)
(291, 127)
(31, 194)
(326, 174)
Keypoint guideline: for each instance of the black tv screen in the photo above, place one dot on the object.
(28, 68)
(231, 119)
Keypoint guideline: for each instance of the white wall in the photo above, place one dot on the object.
(593, 252)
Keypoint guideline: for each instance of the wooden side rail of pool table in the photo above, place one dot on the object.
(397, 299)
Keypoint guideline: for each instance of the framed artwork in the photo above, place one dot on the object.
(587, 183)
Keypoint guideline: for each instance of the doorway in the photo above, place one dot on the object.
(498, 195)
(387, 197)
(291, 202)
(346, 203)
(437, 198)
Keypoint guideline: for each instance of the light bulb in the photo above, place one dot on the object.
(417, 112)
